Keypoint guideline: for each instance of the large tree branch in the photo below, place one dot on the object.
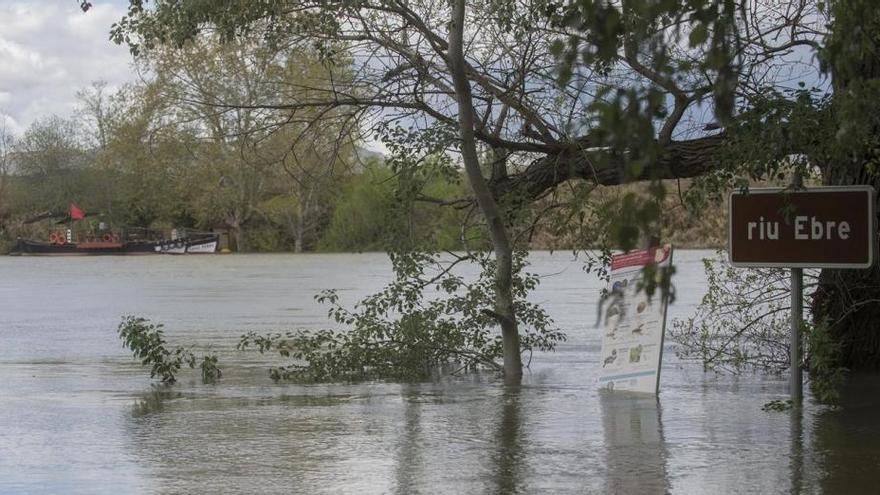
(678, 159)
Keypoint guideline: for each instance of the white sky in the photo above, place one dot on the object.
(49, 49)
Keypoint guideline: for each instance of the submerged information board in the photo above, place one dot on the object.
(633, 325)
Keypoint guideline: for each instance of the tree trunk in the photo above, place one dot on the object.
(237, 238)
(504, 309)
(300, 232)
(849, 300)
(300, 228)
(302, 215)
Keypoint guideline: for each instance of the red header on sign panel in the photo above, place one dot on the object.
(641, 257)
(825, 227)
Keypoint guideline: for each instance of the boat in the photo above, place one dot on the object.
(113, 244)
(103, 241)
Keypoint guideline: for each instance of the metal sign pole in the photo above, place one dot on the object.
(797, 298)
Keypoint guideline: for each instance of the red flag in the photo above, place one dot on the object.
(76, 213)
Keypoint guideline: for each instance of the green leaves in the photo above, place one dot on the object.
(823, 363)
(698, 35)
(147, 343)
(649, 37)
(743, 324)
(405, 332)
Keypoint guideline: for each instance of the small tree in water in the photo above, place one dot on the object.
(743, 322)
(399, 333)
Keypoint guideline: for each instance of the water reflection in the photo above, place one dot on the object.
(635, 447)
(224, 444)
(463, 435)
(797, 449)
(508, 458)
(409, 460)
(153, 401)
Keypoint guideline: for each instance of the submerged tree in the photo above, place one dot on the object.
(535, 95)
(402, 334)
(743, 324)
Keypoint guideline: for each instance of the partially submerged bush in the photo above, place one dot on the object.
(400, 334)
(146, 341)
(743, 324)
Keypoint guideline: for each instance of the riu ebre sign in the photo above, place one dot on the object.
(823, 227)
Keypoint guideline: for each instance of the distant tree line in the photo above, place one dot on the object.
(171, 151)
(161, 154)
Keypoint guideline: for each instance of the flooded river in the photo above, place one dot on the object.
(78, 415)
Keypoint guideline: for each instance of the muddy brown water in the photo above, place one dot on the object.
(78, 415)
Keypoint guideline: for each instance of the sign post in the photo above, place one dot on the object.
(822, 227)
(797, 299)
(796, 381)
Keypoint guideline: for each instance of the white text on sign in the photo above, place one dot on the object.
(805, 229)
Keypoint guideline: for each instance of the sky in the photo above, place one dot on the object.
(50, 49)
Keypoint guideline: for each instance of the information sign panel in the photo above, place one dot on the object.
(634, 325)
